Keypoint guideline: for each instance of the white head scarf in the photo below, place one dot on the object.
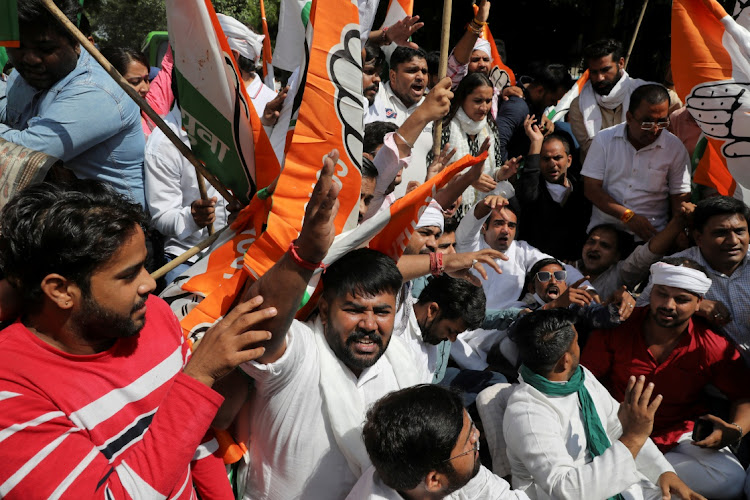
(432, 216)
(241, 38)
(484, 46)
(683, 277)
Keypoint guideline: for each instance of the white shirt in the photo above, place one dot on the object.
(259, 94)
(171, 187)
(484, 486)
(546, 446)
(406, 326)
(641, 180)
(389, 108)
(292, 450)
(502, 290)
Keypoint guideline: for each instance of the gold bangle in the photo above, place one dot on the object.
(627, 215)
(479, 23)
(474, 30)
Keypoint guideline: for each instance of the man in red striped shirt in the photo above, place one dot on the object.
(99, 393)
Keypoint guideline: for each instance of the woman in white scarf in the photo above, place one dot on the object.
(466, 127)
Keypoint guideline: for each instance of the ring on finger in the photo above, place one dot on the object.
(474, 262)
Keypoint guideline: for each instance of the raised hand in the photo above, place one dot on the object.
(459, 265)
(273, 108)
(400, 32)
(637, 412)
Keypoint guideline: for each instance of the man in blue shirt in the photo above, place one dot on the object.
(61, 101)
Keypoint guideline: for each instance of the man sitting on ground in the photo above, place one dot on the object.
(670, 347)
(566, 437)
(423, 445)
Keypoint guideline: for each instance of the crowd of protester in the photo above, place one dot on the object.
(572, 297)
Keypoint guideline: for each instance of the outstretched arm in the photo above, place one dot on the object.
(283, 286)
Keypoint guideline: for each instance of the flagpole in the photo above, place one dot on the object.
(635, 35)
(183, 257)
(442, 69)
(186, 152)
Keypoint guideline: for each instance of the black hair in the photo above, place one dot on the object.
(550, 76)
(85, 26)
(456, 298)
(374, 54)
(652, 93)
(538, 265)
(513, 206)
(375, 135)
(467, 85)
(246, 65)
(433, 62)
(450, 225)
(543, 337)
(625, 242)
(34, 13)
(405, 54)
(121, 57)
(412, 432)
(603, 48)
(556, 136)
(362, 272)
(69, 229)
(718, 205)
(369, 171)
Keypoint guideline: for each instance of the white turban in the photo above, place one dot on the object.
(241, 38)
(683, 277)
(484, 46)
(432, 216)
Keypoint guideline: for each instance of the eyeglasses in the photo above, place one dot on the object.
(135, 81)
(545, 276)
(659, 125)
(474, 449)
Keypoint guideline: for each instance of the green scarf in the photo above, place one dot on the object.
(596, 438)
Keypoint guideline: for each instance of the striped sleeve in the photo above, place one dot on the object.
(45, 455)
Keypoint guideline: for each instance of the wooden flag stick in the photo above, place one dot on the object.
(200, 170)
(442, 69)
(635, 35)
(182, 258)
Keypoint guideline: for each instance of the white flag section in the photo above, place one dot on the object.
(562, 107)
(215, 106)
(294, 15)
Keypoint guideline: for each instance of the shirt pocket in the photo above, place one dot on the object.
(656, 177)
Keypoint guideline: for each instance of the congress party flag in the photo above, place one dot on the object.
(293, 18)
(563, 106)
(9, 34)
(397, 10)
(224, 129)
(711, 70)
(500, 74)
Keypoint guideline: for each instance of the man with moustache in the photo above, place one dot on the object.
(605, 98)
(372, 64)
(555, 211)
(100, 395)
(398, 99)
(676, 351)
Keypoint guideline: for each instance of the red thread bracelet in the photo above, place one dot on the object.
(305, 264)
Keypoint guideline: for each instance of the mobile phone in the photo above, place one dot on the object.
(702, 429)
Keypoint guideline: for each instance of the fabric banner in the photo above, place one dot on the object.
(561, 109)
(9, 34)
(293, 18)
(500, 74)
(268, 76)
(330, 117)
(20, 167)
(711, 71)
(224, 129)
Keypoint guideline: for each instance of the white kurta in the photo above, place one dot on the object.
(292, 449)
(546, 446)
(484, 486)
(389, 108)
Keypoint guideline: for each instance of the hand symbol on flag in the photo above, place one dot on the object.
(721, 110)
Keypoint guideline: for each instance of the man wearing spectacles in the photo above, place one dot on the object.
(636, 171)
(423, 444)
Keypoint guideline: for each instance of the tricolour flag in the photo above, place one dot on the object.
(293, 18)
(711, 70)
(9, 34)
(217, 114)
(500, 74)
(397, 10)
(563, 106)
(268, 76)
